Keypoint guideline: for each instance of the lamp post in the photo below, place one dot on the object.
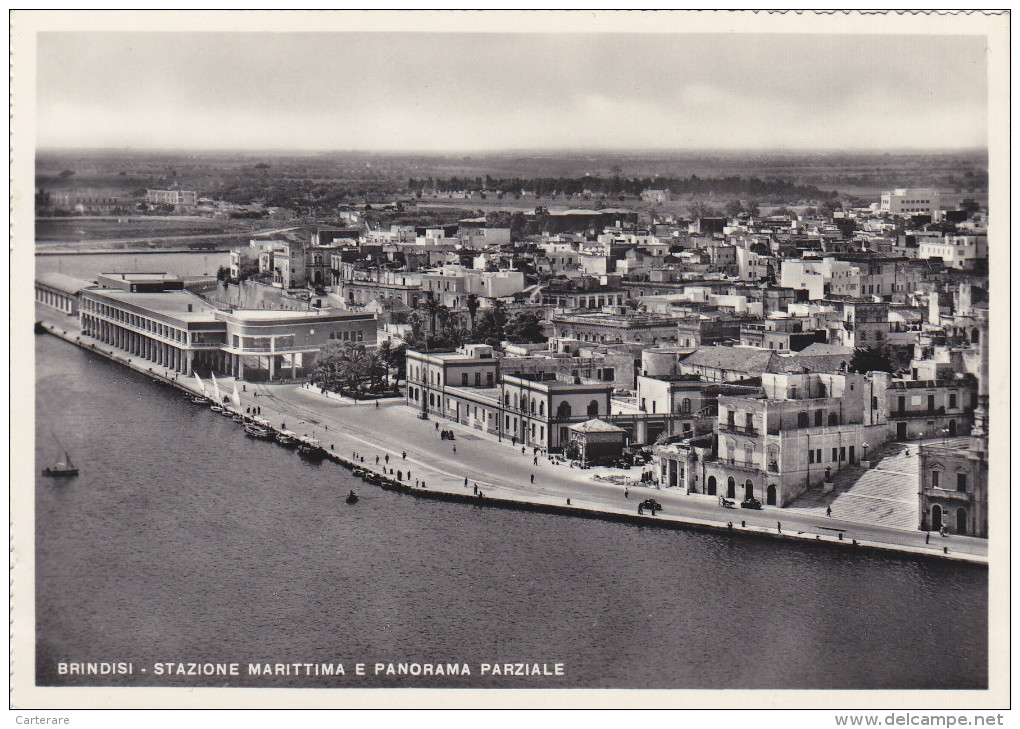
(864, 461)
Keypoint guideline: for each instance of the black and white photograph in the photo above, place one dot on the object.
(510, 350)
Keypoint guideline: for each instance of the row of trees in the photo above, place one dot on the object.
(616, 185)
(435, 326)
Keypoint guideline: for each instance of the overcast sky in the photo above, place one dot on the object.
(452, 92)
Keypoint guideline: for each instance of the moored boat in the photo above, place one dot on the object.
(311, 450)
(286, 439)
(255, 430)
(352, 498)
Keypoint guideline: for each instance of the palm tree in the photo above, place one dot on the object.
(327, 365)
(445, 317)
(430, 305)
(385, 353)
(352, 365)
(472, 306)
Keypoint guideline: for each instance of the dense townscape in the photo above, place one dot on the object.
(767, 355)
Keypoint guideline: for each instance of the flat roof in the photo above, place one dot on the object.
(63, 282)
(173, 304)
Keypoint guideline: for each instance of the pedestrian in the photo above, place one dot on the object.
(377, 460)
(532, 478)
(403, 455)
(377, 403)
(641, 509)
(326, 427)
(779, 527)
(437, 425)
(387, 457)
(942, 530)
(455, 449)
(465, 483)
(626, 493)
(523, 449)
(828, 511)
(475, 490)
(536, 460)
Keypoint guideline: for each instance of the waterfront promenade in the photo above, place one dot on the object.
(503, 473)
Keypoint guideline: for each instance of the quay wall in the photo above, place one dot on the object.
(663, 521)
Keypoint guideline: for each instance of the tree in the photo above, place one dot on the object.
(472, 307)
(430, 305)
(385, 352)
(526, 328)
(492, 327)
(871, 359)
(397, 359)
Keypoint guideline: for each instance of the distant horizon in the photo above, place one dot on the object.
(531, 151)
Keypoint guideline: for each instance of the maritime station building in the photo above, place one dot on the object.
(153, 317)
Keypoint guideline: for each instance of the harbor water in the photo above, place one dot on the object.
(90, 265)
(183, 541)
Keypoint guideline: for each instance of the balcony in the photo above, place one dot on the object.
(740, 429)
(917, 412)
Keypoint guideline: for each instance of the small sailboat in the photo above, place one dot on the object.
(235, 399)
(203, 398)
(217, 406)
(352, 498)
(63, 467)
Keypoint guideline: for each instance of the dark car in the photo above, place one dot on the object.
(751, 503)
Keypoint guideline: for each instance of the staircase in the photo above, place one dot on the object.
(883, 495)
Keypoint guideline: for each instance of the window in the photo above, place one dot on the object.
(851, 454)
(685, 405)
(810, 456)
(818, 455)
(935, 479)
(818, 417)
(833, 419)
(842, 453)
(952, 399)
(961, 482)
(834, 454)
(464, 378)
(802, 420)
(478, 379)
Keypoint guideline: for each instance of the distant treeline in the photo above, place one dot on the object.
(617, 185)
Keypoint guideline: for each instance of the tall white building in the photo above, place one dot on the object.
(911, 201)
